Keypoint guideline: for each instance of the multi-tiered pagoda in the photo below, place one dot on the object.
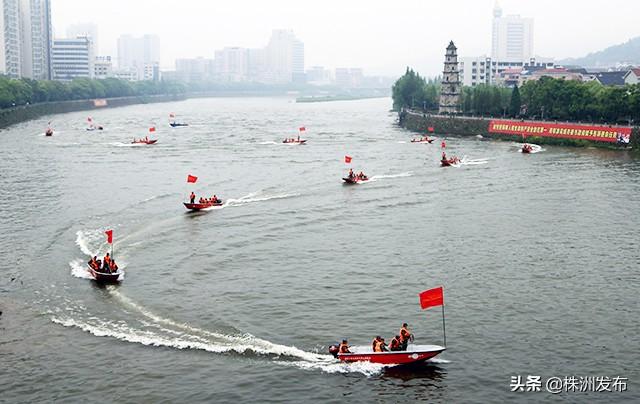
(450, 92)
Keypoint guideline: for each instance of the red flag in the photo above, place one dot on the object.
(302, 129)
(432, 298)
(192, 178)
(152, 129)
(109, 234)
(443, 144)
(431, 129)
(347, 159)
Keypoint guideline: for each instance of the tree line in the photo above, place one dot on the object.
(546, 98)
(14, 92)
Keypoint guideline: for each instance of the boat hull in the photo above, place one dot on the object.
(146, 142)
(103, 277)
(409, 357)
(177, 125)
(296, 142)
(421, 141)
(200, 206)
(353, 180)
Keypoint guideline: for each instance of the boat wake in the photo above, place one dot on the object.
(155, 330)
(256, 197)
(470, 162)
(382, 177)
(79, 269)
(270, 142)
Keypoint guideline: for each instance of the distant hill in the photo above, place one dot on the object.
(627, 53)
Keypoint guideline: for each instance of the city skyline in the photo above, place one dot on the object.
(381, 38)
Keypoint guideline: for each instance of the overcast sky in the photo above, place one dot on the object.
(381, 36)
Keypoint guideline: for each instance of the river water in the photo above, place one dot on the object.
(538, 255)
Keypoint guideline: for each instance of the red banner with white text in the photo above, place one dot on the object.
(617, 134)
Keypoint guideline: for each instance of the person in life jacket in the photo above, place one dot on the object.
(93, 262)
(395, 345)
(113, 267)
(192, 197)
(106, 261)
(351, 175)
(343, 347)
(443, 144)
(405, 336)
(379, 345)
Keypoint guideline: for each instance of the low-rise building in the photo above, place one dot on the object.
(126, 74)
(102, 67)
(616, 78)
(483, 69)
(632, 76)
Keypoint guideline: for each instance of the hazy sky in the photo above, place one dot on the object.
(381, 36)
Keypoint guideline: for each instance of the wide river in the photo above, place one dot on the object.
(538, 255)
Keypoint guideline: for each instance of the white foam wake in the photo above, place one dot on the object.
(79, 269)
(256, 197)
(380, 177)
(256, 344)
(82, 240)
(472, 162)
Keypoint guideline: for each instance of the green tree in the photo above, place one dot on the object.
(515, 102)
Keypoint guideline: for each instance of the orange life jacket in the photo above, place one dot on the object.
(395, 343)
(404, 334)
(343, 348)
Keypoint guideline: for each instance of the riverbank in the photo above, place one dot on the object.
(22, 113)
(474, 126)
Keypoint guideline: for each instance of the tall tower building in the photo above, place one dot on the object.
(512, 37)
(450, 91)
(72, 58)
(10, 37)
(284, 57)
(36, 39)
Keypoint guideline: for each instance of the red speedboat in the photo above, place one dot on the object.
(49, 132)
(422, 140)
(449, 162)
(294, 141)
(414, 354)
(105, 277)
(200, 206)
(354, 180)
(143, 141)
(526, 148)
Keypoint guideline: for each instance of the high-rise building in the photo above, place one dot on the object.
(86, 29)
(232, 64)
(36, 39)
(284, 57)
(134, 53)
(10, 34)
(450, 91)
(512, 37)
(72, 58)
(349, 77)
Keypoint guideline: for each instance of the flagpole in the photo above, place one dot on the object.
(444, 332)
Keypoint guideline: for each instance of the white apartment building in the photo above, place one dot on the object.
(512, 37)
(197, 69)
(72, 58)
(232, 64)
(137, 52)
(102, 67)
(484, 69)
(36, 39)
(10, 39)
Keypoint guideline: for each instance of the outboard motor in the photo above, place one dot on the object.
(333, 350)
